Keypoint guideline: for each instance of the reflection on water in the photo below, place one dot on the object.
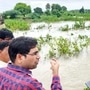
(75, 71)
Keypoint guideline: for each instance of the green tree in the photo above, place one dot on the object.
(47, 12)
(11, 14)
(38, 10)
(81, 10)
(56, 12)
(47, 6)
(64, 8)
(34, 16)
(22, 8)
(55, 9)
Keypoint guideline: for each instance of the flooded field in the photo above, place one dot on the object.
(74, 71)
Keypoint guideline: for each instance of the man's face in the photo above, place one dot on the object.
(4, 54)
(31, 59)
(1, 39)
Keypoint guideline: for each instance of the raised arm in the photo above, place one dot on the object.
(56, 85)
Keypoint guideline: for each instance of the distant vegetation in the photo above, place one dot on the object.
(53, 13)
(17, 24)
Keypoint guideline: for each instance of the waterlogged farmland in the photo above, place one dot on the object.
(61, 39)
(70, 43)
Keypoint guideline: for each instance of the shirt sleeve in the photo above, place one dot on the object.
(56, 85)
(36, 85)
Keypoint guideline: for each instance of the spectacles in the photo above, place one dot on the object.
(34, 53)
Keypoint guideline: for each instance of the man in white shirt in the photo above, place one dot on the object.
(4, 56)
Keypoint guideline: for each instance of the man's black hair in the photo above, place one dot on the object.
(3, 44)
(5, 33)
(21, 45)
(2, 34)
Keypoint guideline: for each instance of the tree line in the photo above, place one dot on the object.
(22, 10)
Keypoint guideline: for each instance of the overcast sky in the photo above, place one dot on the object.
(70, 4)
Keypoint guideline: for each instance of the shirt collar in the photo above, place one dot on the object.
(19, 69)
(3, 64)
